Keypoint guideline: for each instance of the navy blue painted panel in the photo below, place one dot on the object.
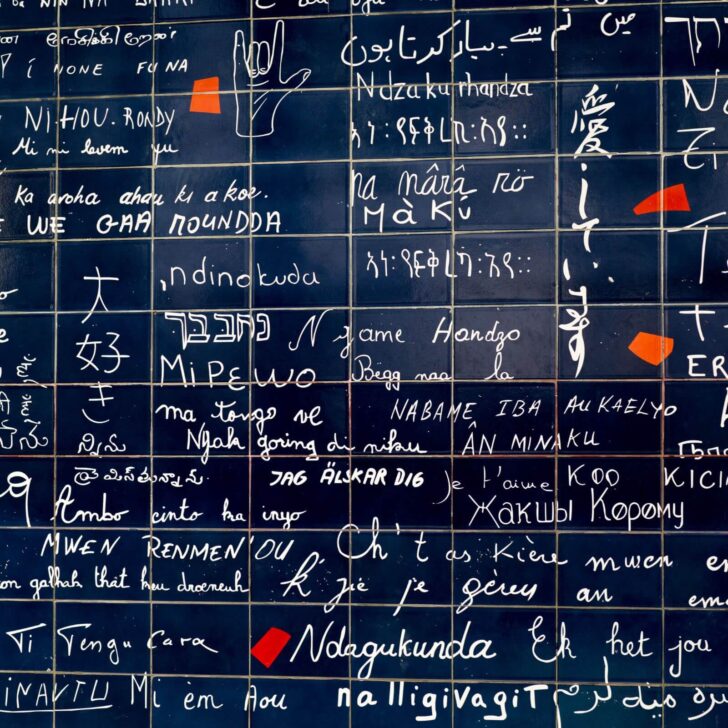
(363, 363)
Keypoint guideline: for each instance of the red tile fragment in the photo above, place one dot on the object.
(652, 348)
(270, 645)
(206, 96)
(671, 199)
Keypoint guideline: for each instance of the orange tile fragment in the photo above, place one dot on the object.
(652, 348)
(206, 96)
(670, 199)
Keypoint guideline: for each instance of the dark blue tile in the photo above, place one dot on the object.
(609, 117)
(695, 430)
(109, 624)
(400, 48)
(312, 570)
(704, 186)
(602, 44)
(508, 638)
(33, 215)
(698, 340)
(325, 403)
(114, 57)
(193, 567)
(106, 347)
(688, 659)
(395, 344)
(314, 125)
(308, 53)
(27, 425)
(627, 422)
(106, 564)
(202, 640)
(317, 203)
(28, 72)
(203, 201)
(21, 615)
(477, 404)
(19, 264)
(299, 696)
(113, 492)
(28, 15)
(306, 341)
(519, 123)
(83, 12)
(285, 8)
(108, 276)
(595, 490)
(182, 699)
(503, 343)
(380, 625)
(411, 494)
(494, 562)
(402, 270)
(618, 267)
(481, 487)
(409, 419)
(505, 268)
(417, 125)
(201, 274)
(212, 9)
(213, 346)
(35, 145)
(295, 272)
(593, 629)
(615, 570)
(117, 204)
(27, 498)
(504, 194)
(118, 424)
(183, 137)
(691, 43)
(27, 348)
(605, 341)
(614, 187)
(509, 44)
(295, 493)
(112, 133)
(104, 694)
(307, 625)
(189, 495)
(185, 421)
(389, 198)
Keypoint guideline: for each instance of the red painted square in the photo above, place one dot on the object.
(206, 96)
(270, 645)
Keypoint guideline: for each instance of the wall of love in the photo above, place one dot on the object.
(363, 363)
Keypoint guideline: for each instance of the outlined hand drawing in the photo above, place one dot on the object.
(258, 67)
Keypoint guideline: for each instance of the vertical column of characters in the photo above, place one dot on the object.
(611, 334)
(27, 370)
(103, 221)
(696, 317)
